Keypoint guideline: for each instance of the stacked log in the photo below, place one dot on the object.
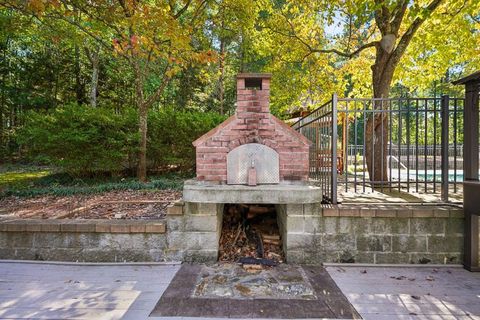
(250, 231)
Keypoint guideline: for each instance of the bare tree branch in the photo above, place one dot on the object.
(349, 54)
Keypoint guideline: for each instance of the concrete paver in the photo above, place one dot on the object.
(410, 292)
(46, 291)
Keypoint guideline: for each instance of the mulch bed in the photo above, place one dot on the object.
(111, 205)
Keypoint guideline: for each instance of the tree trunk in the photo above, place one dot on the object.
(142, 154)
(5, 74)
(221, 82)
(142, 124)
(94, 58)
(377, 126)
(78, 80)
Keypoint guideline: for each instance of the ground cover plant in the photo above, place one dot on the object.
(39, 182)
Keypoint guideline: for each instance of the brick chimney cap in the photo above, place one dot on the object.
(254, 75)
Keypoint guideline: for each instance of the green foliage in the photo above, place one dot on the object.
(190, 58)
(171, 134)
(84, 141)
(80, 139)
(62, 184)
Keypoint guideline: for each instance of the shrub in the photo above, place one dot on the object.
(80, 139)
(83, 140)
(171, 133)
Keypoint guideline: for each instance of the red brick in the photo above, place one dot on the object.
(211, 149)
(246, 103)
(241, 84)
(265, 84)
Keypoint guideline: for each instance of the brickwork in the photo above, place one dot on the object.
(252, 123)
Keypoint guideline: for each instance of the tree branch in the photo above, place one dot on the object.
(182, 10)
(412, 29)
(158, 92)
(349, 54)
(316, 50)
(382, 17)
(398, 16)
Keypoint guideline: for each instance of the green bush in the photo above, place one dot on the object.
(171, 133)
(82, 140)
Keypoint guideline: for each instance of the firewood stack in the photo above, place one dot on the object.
(250, 231)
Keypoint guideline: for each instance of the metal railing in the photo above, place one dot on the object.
(406, 144)
(321, 129)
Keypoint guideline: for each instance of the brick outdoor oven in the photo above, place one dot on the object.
(252, 158)
(252, 140)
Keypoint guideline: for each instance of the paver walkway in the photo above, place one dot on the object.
(131, 292)
(49, 291)
(410, 292)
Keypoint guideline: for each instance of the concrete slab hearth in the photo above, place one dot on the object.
(283, 193)
(180, 300)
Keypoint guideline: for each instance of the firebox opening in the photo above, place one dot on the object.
(250, 235)
(253, 83)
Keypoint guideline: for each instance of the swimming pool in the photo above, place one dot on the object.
(427, 175)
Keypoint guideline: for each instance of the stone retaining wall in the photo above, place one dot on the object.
(84, 240)
(387, 234)
(311, 233)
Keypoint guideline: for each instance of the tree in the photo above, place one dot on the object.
(229, 21)
(154, 37)
(382, 29)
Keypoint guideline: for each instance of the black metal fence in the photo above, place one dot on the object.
(319, 129)
(405, 144)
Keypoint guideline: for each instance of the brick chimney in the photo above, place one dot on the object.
(253, 98)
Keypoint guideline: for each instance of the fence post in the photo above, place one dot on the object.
(334, 148)
(444, 142)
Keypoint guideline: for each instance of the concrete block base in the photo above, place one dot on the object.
(195, 234)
